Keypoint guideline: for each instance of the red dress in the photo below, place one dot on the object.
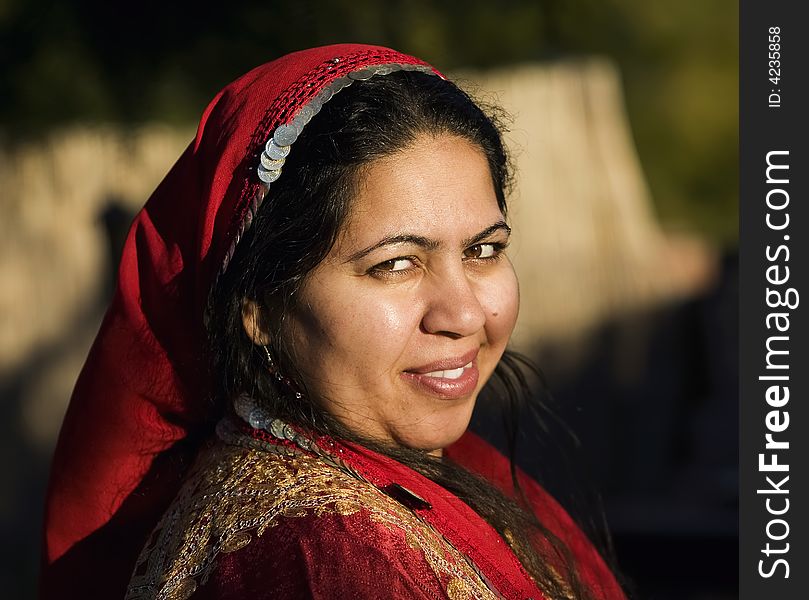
(261, 518)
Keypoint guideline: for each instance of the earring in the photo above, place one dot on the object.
(270, 362)
(284, 381)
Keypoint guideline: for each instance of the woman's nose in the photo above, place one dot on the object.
(454, 308)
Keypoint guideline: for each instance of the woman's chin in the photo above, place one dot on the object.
(433, 437)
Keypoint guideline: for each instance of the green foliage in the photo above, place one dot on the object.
(99, 60)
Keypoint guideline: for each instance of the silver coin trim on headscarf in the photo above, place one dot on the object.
(280, 143)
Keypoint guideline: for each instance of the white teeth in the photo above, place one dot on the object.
(450, 374)
(453, 373)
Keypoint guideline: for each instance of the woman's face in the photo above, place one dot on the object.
(399, 327)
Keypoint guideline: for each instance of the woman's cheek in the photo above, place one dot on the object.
(390, 310)
(501, 302)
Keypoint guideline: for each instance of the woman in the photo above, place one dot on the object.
(322, 275)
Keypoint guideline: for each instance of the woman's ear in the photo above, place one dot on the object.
(251, 321)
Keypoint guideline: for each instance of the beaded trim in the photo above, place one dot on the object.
(257, 417)
(279, 144)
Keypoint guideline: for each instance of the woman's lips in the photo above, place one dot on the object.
(448, 378)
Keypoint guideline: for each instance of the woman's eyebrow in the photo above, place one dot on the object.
(425, 242)
(401, 238)
(479, 237)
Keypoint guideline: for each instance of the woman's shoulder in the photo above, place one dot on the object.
(283, 523)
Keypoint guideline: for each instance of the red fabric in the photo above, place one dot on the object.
(456, 521)
(353, 556)
(330, 556)
(142, 390)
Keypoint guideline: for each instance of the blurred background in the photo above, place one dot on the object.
(624, 134)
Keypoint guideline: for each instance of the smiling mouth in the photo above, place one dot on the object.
(447, 379)
(450, 373)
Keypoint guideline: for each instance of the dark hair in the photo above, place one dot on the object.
(295, 229)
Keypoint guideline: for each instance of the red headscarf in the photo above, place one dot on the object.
(142, 393)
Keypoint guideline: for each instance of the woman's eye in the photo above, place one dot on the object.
(483, 250)
(394, 265)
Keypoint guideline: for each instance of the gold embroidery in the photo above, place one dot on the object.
(236, 542)
(234, 494)
(456, 590)
(183, 590)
